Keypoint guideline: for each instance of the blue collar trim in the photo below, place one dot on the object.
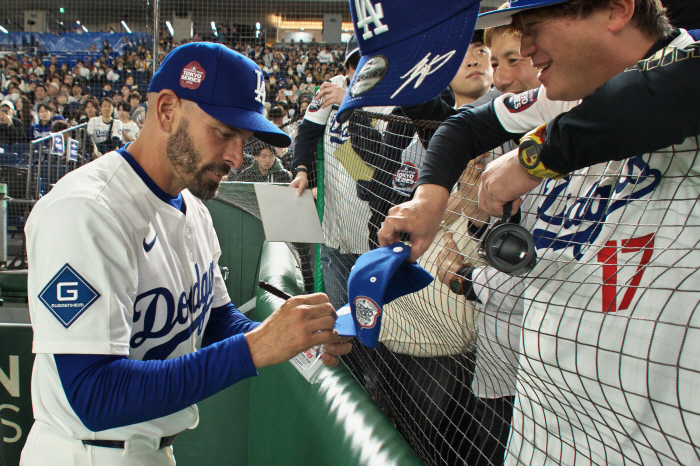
(175, 201)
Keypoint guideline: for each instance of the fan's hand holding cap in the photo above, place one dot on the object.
(223, 83)
(492, 19)
(411, 50)
(378, 277)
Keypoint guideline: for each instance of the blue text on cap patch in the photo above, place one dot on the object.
(68, 295)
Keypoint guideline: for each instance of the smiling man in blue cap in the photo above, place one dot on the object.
(124, 281)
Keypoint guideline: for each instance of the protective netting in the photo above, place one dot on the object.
(604, 371)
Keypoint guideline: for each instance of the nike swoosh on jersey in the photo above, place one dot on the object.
(148, 246)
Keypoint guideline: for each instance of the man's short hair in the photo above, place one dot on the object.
(124, 105)
(135, 95)
(44, 105)
(59, 125)
(107, 99)
(276, 112)
(353, 61)
(258, 146)
(505, 30)
(649, 15)
(92, 100)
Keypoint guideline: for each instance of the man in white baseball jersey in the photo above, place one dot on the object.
(607, 364)
(344, 218)
(105, 129)
(124, 284)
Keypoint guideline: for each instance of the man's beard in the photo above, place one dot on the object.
(185, 159)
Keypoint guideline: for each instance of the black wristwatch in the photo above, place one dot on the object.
(461, 282)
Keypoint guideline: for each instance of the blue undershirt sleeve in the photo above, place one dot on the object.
(107, 391)
(224, 322)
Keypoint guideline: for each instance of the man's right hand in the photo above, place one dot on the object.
(299, 324)
(420, 217)
(301, 182)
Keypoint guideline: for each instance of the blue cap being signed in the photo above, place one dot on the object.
(410, 50)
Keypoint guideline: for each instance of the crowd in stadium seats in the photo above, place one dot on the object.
(41, 89)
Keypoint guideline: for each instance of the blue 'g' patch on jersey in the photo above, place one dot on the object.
(68, 295)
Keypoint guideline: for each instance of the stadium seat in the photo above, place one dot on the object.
(20, 148)
(16, 180)
(9, 158)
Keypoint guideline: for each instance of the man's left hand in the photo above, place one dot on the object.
(333, 350)
(331, 94)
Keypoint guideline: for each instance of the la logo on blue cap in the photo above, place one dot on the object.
(367, 13)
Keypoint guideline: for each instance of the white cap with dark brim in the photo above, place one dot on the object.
(495, 18)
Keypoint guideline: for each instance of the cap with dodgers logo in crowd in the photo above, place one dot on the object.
(377, 278)
(225, 84)
(492, 19)
(410, 49)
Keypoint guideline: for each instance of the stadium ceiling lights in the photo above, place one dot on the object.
(126, 27)
(170, 28)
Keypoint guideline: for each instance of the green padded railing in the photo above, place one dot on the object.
(333, 421)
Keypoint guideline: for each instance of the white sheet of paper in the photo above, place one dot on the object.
(286, 216)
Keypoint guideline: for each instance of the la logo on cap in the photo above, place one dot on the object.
(192, 75)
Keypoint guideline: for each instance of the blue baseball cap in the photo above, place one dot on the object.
(410, 49)
(378, 277)
(225, 84)
(492, 19)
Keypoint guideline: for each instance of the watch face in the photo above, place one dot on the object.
(456, 285)
(529, 155)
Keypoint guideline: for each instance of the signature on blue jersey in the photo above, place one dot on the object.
(593, 208)
(200, 298)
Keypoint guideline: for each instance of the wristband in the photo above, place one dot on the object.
(301, 169)
(461, 282)
(529, 154)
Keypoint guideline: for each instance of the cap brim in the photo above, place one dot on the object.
(403, 83)
(345, 324)
(495, 18)
(250, 120)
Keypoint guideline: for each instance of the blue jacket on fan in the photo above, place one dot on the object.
(38, 131)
